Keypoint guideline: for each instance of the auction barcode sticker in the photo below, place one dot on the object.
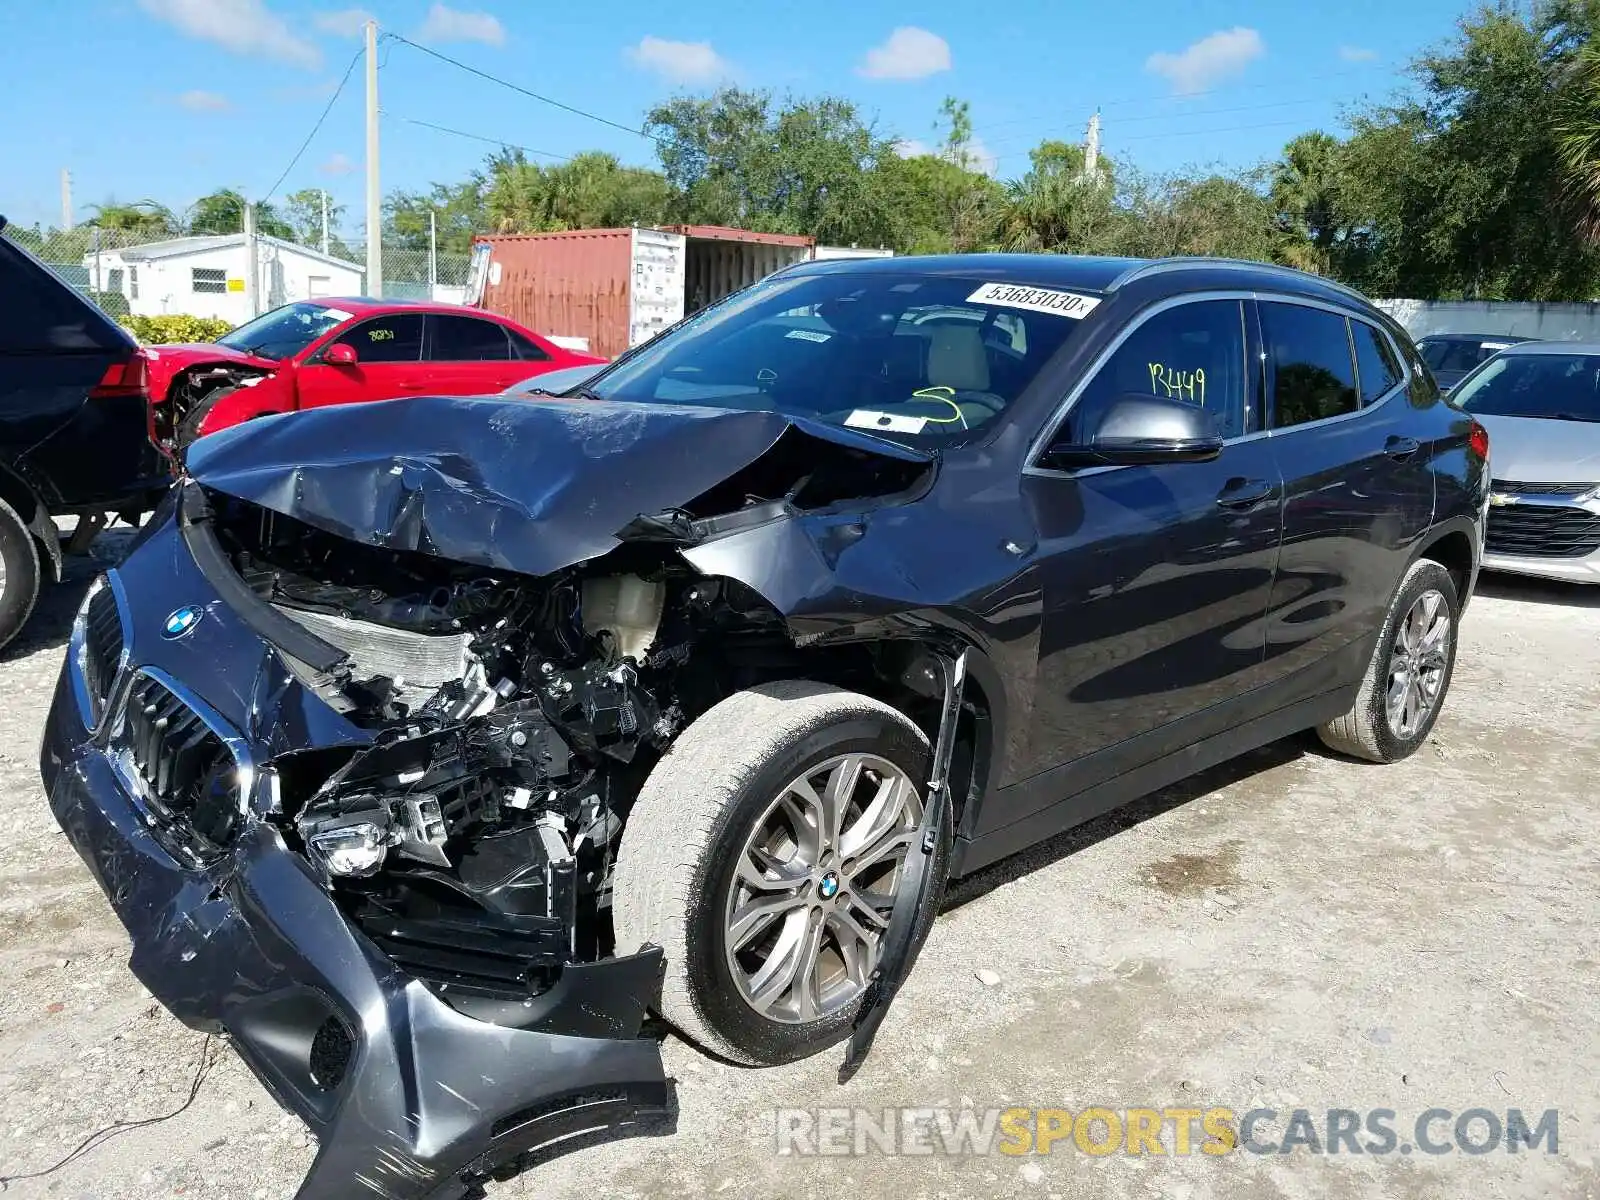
(1034, 299)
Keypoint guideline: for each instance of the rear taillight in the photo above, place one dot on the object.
(1478, 439)
(130, 378)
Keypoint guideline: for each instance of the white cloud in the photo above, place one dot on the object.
(242, 26)
(680, 62)
(1357, 54)
(446, 24)
(910, 53)
(339, 164)
(1212, 59)
(198, 101)
(979, 156)
(343, 22)
(912, 148)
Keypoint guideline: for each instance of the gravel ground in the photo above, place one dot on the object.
(1287, 931)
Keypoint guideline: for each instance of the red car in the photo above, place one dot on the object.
(337, 351)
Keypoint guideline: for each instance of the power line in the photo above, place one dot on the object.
(1144, 137)
(332, 100)
(506, 83)
(478, 137)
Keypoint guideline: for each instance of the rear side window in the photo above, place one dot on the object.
(1314, 375)
(40, 313)
(1375, 362)
(525, 348)
(1194, 352)
(393, 338)
(467, 339)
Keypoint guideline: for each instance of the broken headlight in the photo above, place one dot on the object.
(352, 847)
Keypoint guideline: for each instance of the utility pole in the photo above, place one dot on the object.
(324, 220)
(1091, 152)
(433, 254)
(252, 278)
(66, 198)
(374, 203)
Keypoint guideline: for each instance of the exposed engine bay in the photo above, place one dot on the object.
(512, 720)
(191, 395)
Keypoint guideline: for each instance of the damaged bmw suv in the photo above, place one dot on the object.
(426, 747)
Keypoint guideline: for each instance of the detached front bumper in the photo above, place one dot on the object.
(408, 1098)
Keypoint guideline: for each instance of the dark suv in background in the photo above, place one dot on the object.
(74, 427)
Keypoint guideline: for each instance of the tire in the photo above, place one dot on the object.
(188, 431)
(1368, 731)
(19, 583)
(675, 880)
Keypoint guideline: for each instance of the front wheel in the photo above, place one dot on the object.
(19, 573)
(1405, 684)
(764, 855)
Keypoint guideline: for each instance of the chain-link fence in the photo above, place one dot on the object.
(155, 272)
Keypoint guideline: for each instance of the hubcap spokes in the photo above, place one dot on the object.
(815, 885)
(1417, 664)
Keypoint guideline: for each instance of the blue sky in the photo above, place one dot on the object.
(167, 99)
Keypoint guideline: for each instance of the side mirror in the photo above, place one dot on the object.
(1136, 429)
(340, 354)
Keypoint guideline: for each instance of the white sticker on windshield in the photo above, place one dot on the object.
(808, 335)
(1493, 345)
(1034, 299)
(338, 314)
(865, 418)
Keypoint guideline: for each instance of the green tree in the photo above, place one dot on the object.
(223, 212)
(1305, 192)
(145, 217)
(302, 211)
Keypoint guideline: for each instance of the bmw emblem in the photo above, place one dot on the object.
(828, 886)
(181, 620)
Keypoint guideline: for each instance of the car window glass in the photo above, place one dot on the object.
(393, 338)
(467, 339)
(1194, 352)
(526, 348)
(1555, 387)
(1375, 362)
(1314, 375)
(39, 312)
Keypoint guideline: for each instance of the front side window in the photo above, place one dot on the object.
(1314, 375)
(466, 339)
(1552, 387)
(1194, 353)
(916, 357)
(284, 332)
(1375, 362)
(208, 279)
(395, 338)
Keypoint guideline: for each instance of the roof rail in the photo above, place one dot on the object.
(1160, 266)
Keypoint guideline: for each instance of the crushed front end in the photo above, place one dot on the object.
(435, 1019)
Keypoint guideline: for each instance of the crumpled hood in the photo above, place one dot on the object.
(502, 483)
(163, 362)
(1530, 450)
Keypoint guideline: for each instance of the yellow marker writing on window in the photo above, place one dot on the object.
(942, 395)
(1178, 383)
(380, 335)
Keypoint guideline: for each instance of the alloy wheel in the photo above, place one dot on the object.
(1417, 664)
(815, 885)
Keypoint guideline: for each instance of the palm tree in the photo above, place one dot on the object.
(144, 217)
(1305, 197)
(1577, 137)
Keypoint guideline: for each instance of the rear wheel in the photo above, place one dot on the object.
(764, 855)
(19, 573)
(1405, 684)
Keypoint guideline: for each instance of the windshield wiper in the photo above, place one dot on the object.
(582, 393)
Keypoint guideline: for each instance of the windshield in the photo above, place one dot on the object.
(1457, 354)
(914, 357)
(1558, 387)
(284, 332)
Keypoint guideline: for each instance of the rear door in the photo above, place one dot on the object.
(74, 421)
(1358, 488)
(388, 363)
(469, 356)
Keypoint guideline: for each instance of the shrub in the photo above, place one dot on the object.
(176, 327)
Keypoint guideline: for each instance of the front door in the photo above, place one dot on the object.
(388, 354)
(1358, 488)
(1155, 579)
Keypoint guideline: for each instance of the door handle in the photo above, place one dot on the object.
(1244, 493)
(1401, 448)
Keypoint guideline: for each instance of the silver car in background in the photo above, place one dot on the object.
(1540, 402)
